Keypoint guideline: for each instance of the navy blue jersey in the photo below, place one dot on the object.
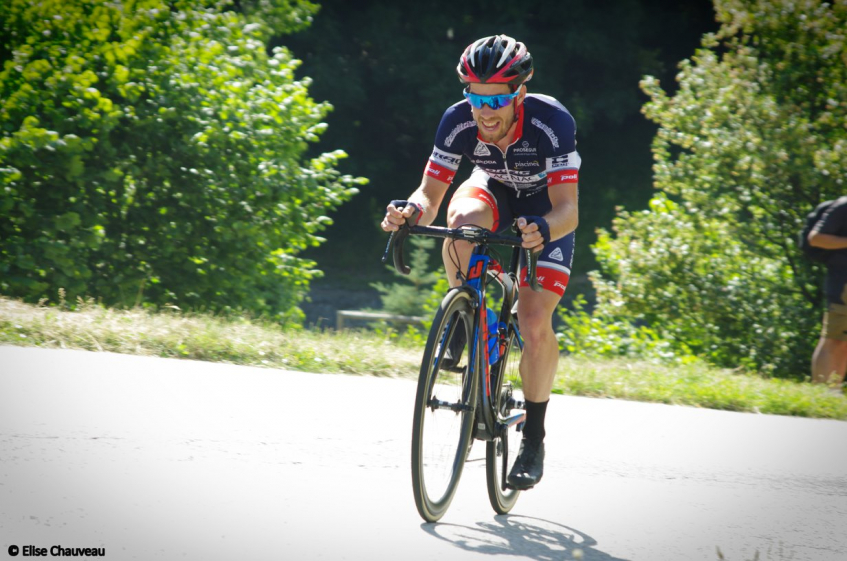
(543, 152)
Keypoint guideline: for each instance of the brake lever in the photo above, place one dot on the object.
(396, 241)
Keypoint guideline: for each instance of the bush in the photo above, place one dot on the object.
(750, 143)
(152, 152)
(599, 335)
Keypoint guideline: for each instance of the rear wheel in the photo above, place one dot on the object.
(444, 410)
(501, 453)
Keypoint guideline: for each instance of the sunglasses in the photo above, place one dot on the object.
(493, 101)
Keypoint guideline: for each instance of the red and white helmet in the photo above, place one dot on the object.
(498, 59)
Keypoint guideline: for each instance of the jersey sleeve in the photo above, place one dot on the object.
(563, 162)
(447, 153)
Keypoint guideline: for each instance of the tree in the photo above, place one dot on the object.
(152, 152)
(751, 142)
(389, 69)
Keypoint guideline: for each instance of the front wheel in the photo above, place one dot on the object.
(501, 453)
(444, 409)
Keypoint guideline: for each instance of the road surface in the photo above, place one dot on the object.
(150, 458)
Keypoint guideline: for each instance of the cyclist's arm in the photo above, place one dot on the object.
(428, 195)
(562, 219)
(440, 170)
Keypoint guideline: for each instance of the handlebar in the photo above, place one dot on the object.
(473, 234)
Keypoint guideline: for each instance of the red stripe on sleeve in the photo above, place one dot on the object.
(564, 176)
(440, 172)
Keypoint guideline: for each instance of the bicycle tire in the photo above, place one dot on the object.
(501, 453)
(441, 437)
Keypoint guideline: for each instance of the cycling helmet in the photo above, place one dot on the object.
(495, 60)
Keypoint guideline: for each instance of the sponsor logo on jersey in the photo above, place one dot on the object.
(524, 148)
(557, 162)
(439, 172)
(514, 177)
(484, 162)
(557, 255)
(533, 163)
(481, 150)
(547, 130)
(567, 176)
(446, 159)
(571, 161)
(456, 130)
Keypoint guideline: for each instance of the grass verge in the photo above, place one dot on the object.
(240, 341)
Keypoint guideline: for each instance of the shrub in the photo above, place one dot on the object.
(152, 152)
(752, 140)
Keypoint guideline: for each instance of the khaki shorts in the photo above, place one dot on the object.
(835, 322)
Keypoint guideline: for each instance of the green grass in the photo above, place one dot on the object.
(240, 341)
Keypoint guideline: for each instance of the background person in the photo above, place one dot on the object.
(829, 361)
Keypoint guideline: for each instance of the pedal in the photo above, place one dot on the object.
(513, 403)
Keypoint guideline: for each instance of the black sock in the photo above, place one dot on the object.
(534, 428)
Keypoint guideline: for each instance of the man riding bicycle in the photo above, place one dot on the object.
(523, 147)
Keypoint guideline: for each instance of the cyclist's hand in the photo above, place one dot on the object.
(399, 212)
(535, 232)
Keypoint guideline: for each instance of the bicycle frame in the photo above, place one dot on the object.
(478, 393)
(486, 425)
(478, 269)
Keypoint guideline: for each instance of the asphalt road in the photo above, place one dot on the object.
(165, 459)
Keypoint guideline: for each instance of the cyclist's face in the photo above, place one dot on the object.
(494, 124)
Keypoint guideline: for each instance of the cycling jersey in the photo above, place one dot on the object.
(514, 183)
(542, 154)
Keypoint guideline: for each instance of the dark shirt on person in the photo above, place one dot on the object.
(834, 222)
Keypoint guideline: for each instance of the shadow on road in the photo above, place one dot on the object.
(533, 538)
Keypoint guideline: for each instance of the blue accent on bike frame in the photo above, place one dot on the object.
(478, 262)
(519, 338)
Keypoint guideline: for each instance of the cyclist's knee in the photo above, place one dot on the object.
(536, 325)
(469, 211)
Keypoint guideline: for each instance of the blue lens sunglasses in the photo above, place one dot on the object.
(493, 101)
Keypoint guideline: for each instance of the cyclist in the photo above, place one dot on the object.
(526, 166)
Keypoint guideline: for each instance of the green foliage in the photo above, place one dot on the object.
(751, 142)
(603, 335)
(407, 297)
(152, 152)
(399, 61)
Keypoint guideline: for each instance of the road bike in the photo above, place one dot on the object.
(474, 395)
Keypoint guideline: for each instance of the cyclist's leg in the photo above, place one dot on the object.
(475, 202)
(541, 348)
(538, 369)
(535, 316)
(540, 355)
